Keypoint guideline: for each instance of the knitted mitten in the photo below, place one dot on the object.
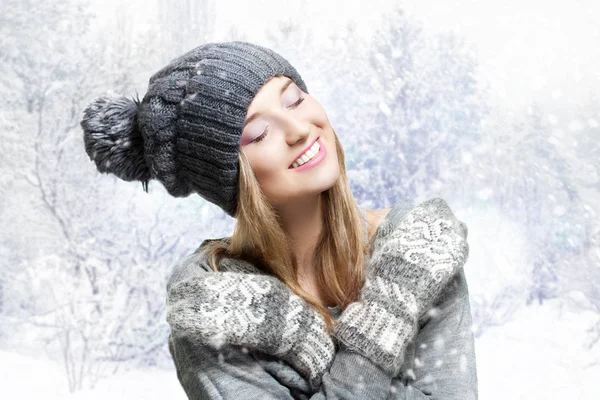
(254, 311)
(404, 275)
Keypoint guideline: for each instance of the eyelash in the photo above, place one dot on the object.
(264, 134)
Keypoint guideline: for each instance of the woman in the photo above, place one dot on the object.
(311, 296)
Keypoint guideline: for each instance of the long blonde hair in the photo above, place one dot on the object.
(259, 238)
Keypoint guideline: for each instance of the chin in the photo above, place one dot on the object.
(315, 186)
(325, 181)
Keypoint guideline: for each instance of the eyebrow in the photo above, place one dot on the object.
(256, 114)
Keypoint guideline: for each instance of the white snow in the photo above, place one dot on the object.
(24, 378)
(539, 355)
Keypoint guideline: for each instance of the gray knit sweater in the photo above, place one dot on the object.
(439, 362)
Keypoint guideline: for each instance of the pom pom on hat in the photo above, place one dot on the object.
(112, 138)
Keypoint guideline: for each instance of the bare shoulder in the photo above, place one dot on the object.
(375, 217)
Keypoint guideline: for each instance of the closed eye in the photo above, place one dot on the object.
(297, 103)
(264, 134)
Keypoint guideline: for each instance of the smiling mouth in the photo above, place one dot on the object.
(307, 156)
(318, 152)
(313, 149)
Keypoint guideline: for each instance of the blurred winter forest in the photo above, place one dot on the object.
(84, 257)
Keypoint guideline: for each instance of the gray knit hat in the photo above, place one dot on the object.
(186, 130)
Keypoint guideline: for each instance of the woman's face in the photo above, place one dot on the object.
(282, 123)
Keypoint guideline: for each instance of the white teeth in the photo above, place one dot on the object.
(310, 153)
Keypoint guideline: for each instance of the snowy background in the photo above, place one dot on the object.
(491, 105)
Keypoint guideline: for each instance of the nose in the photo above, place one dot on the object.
(296, 130)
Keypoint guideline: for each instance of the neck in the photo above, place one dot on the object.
(303, 222)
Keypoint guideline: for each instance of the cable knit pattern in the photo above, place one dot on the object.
(406, 273)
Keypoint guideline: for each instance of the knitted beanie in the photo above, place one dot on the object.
(186, 131)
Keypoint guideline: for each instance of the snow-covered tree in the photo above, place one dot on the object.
(184, 25)
(103, 247)
(428, 113)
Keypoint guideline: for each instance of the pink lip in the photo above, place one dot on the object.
(315, 160)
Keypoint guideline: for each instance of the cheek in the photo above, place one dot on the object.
(316, 113)
(266, 167)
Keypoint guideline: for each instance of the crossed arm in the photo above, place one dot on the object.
(439, 364)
